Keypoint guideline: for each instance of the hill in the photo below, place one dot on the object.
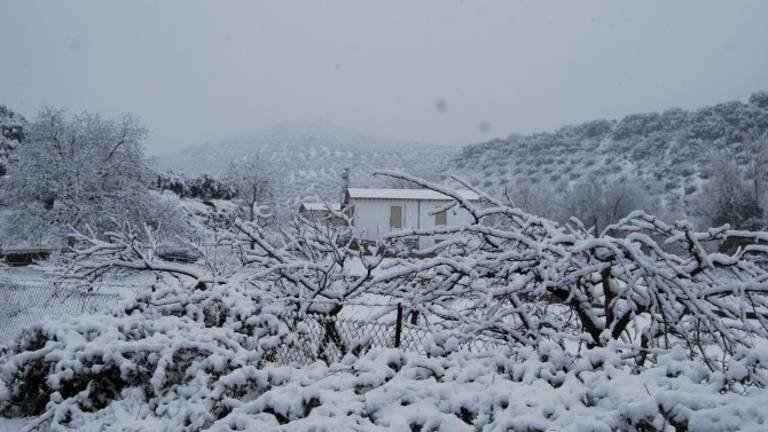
(668, 152)
(308, 157)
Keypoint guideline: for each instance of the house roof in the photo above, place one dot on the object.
(321, 206)
(407, 194)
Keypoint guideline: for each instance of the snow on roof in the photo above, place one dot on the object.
(407, 194)
(320, 206)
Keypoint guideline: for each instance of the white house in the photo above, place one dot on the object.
(381, 211)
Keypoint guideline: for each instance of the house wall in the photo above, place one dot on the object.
(372, 217)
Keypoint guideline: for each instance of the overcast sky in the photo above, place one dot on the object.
(435, 71)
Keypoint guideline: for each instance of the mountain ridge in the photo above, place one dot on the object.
(309, 157)
(667, 153)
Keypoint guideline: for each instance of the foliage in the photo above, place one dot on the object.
(673, 147)
(12, 127)
(204, 187)
(213, 381)
(151, 344)
(76, 172)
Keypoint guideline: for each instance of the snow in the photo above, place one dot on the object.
(205, 355)
(390, 390)
(407, 194)
(320, 206)
(14, 424)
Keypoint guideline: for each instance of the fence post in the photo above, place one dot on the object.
(398, 324)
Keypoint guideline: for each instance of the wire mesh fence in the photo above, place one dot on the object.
(24, 304)
(326, 338)
(314, 336)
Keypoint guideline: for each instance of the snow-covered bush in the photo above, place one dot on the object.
(637, 327)
(507, 275)
(530, 389)
(155, 343)
(79, 171)
(640, 282)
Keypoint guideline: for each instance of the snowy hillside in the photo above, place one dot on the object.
(667, 152)
(308, 157)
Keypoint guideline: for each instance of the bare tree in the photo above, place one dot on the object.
(535, 198)
(254, 183)
(622, 198)
(514, 277)
(757, 151)
(727, 199)
(598, 205)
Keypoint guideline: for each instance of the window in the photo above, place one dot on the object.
(441, 218)
(395, 217)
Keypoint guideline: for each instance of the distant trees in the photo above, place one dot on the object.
(78, 171)
(599, 205)
(759, 99)
(535, 198)
(622, 198)
(253, 181)
(174, 182)
(11, 135)
(727, 199)
(205, 187)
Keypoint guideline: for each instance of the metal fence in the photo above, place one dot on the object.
(321, 337)
(24, 304)
(315, 337)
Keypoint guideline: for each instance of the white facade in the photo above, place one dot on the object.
(373, 211)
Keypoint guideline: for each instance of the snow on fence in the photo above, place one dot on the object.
(322, 337)
(24, 304)
(317, 337)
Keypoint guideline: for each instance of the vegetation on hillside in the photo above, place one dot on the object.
(669, 155)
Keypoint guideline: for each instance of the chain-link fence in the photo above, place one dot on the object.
(322, 337)
(316, 337)
(24, 304)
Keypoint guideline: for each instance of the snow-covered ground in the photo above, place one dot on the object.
(14, 424)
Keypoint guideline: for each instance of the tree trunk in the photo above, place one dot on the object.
(252, 213)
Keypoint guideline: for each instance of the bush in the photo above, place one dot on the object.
(387, 389)
(203, 187)
(155, 344)
(759, 99)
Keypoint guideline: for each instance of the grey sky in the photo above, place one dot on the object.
(436, 71)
